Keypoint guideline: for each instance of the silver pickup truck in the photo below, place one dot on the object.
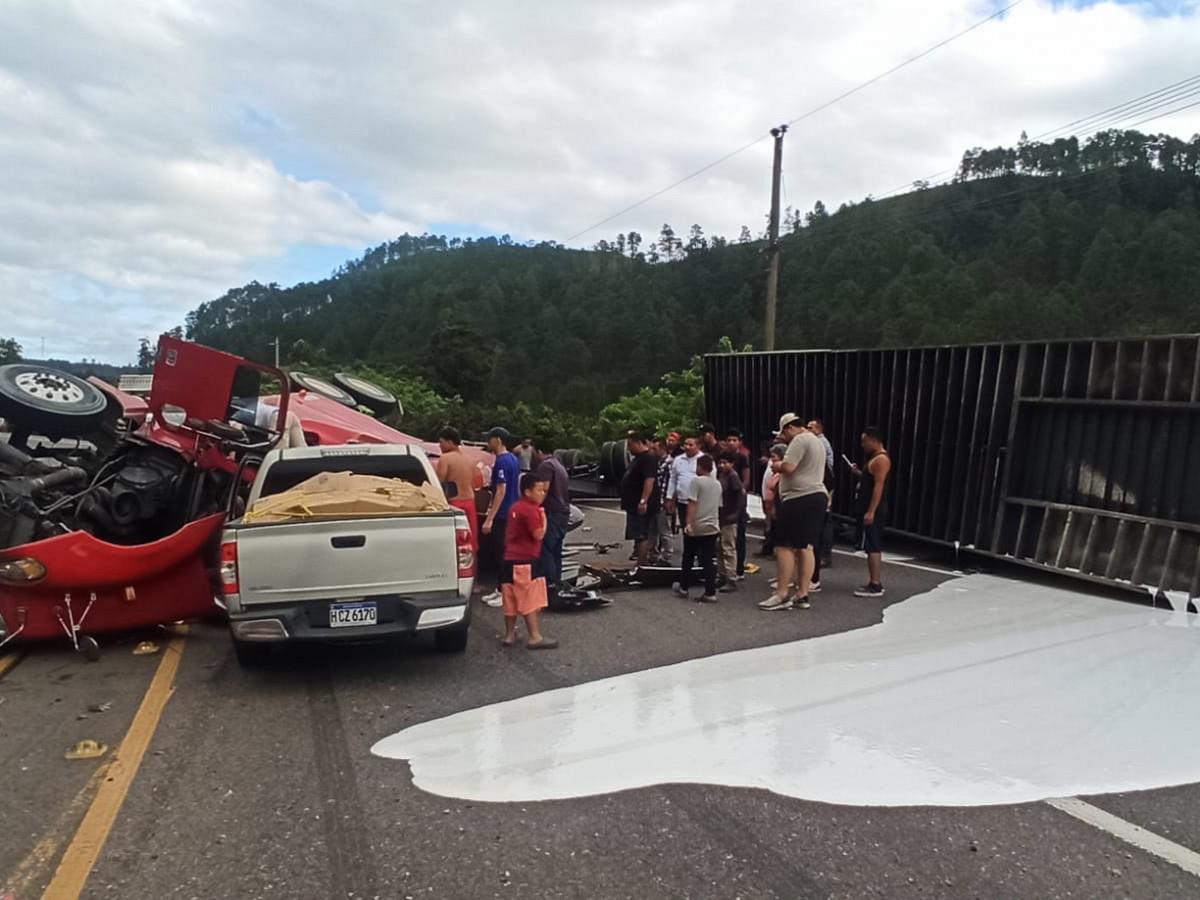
(351, 578)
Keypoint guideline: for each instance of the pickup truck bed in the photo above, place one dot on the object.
(346, 578)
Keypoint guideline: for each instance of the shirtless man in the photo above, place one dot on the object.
(455, 467)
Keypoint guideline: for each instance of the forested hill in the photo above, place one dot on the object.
(1039, 241)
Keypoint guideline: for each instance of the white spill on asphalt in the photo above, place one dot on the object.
(983, 690)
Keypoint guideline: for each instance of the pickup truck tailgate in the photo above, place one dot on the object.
(347, 558)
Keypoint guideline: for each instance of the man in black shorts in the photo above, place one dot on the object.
(801, 512)
(870, 503)
(637, 494)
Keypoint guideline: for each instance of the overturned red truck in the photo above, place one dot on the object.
(111, 506)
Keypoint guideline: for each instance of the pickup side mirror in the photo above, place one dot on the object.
(450, 489)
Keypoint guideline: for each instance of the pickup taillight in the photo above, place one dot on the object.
(466, 552)
(229, 568)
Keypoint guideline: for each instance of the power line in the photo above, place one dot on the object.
(799, 118)
(1162, 115)
(1103, 124)
(1120, 106)
(1129, 109)
(1066, 183)
(669, 187)
(907, 62)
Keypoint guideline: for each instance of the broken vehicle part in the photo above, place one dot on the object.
(40, 400)
(321, 387)
(366, 393)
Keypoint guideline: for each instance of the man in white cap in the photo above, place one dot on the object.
(801, 512)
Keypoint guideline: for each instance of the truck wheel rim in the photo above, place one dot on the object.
(365, 386)
(49, 387)
(324, 386)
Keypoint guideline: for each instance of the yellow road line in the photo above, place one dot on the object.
(85, 847)
(8, 660)
(31, 869)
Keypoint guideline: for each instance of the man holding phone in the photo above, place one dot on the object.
(801, 513)
(825, 550)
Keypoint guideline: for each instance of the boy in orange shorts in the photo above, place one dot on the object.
(522, 587)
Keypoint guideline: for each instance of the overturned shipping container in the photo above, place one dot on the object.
(1072, 456)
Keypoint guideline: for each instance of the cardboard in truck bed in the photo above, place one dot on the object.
(339, 495)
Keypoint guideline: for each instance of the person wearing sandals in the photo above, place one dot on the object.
(801, 512)
(522, 586)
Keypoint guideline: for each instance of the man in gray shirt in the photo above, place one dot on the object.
(801, 512)
(701, 531)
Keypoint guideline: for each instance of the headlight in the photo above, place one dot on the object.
(22, 570)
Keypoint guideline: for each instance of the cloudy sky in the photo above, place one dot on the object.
(154, 153)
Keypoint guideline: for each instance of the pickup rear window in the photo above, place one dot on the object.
(288, 473)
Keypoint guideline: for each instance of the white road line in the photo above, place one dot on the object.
(886, 561)
(1176, 854)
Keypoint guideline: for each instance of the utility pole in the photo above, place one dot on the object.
(773, 239)
(276, 342)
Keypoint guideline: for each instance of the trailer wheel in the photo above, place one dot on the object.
(48, 401)
(320, 386)
(368, 394)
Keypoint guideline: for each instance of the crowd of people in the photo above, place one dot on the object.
(695, 487)
(698, 486)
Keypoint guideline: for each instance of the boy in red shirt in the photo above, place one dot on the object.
(522, 588)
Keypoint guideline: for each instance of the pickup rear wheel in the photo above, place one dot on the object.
(450, 641)
(251, 655)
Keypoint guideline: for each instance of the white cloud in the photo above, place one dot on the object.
(155, 154)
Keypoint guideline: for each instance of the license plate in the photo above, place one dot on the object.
(342, 615)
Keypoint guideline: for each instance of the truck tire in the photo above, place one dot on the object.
(614, 459)
(450, 640)
(321, 387)
(47, 401)
(251, 654)
(368, 394)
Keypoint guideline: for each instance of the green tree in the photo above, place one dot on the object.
(145, 355)
(10, 350)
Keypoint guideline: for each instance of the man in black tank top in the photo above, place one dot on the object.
(870, 505)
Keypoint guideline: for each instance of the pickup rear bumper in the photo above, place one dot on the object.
(309, 620)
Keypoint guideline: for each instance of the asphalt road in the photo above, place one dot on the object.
(261, 784)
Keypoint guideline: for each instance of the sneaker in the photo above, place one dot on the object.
(707, 598)
(802, 603)
(773, 583)
(737, 577)
(728, 587)
(775, 602)
(679, 591)
(814, 587)
(493, 599)
(870, 590)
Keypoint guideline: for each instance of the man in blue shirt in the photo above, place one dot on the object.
(506, 479)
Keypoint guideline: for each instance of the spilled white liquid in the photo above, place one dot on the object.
(982, 691)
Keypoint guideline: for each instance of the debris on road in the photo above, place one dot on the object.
(86, 749)
(145, 648)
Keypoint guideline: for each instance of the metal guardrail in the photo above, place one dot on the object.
(1071, 456)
